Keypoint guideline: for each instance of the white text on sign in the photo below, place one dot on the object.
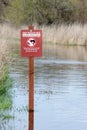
(33, 34)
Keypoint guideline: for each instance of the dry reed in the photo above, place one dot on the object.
(75, 34)
(3, 57)
(6, 32)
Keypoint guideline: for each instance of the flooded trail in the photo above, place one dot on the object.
(60, 90)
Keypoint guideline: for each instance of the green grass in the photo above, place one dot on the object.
(5, 102)
(5, 95)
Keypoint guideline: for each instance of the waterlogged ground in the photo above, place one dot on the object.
(60, 91)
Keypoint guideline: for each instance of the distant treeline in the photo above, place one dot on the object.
(43, 11)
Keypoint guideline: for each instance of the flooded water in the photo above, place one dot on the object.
(60, 90)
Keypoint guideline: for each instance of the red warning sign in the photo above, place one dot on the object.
(31, 43)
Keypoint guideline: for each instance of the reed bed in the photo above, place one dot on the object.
(60, 34)
(75, 34)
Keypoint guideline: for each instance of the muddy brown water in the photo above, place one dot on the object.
(60, 90)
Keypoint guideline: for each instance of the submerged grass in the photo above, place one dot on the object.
(7, 117)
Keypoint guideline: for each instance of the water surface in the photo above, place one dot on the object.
(60, 90)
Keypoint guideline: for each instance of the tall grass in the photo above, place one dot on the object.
(75, 34)
(3, 57)
(72, 34)
(7, 33)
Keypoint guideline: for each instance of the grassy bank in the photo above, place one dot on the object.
(5, 80)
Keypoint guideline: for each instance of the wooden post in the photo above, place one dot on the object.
(31, 83)
(31, 120)
(31, 79)
(31, 91)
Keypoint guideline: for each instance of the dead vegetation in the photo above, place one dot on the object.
(75, 34)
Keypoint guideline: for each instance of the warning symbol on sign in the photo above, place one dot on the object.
(31, 42)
